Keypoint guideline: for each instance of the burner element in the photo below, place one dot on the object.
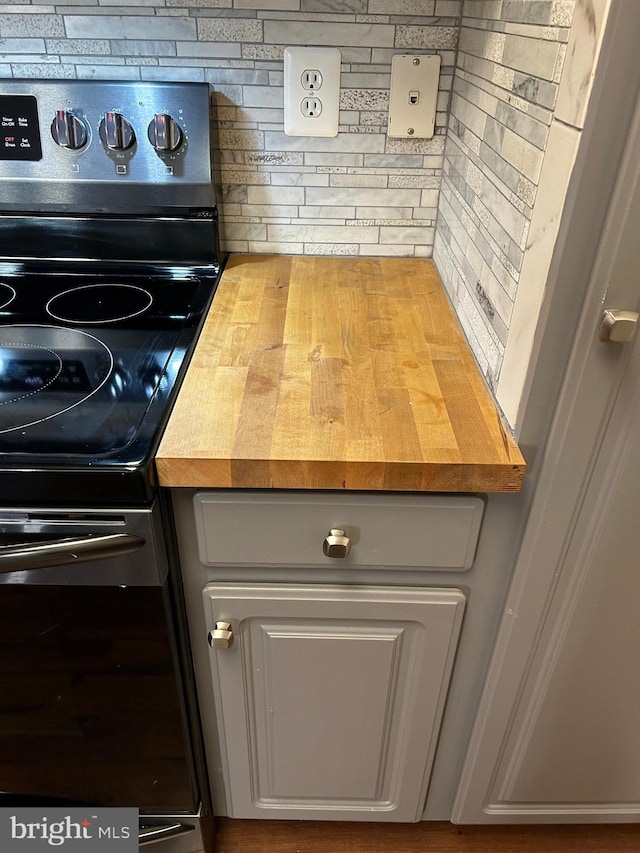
(7, 294)
(39, 381)
(26, 369)
(99, 303)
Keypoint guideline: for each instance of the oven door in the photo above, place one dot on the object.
(91, 701)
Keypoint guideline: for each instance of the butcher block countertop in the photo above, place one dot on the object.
(335, 373)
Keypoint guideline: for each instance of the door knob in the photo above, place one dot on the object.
(336, 544)
(617, 326)
(221, 637)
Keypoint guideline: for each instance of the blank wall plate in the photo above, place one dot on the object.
(311, 91)
(413, 96)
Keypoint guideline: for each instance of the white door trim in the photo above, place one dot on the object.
(591, 385)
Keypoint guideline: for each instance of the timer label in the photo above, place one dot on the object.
(19, 128)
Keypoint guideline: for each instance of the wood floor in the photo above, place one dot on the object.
(266, 836)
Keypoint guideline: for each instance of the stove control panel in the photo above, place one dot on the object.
(19, 128)
(104, 146)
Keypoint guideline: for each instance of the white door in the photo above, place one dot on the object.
(556, 738)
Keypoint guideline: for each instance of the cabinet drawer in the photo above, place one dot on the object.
(288, 529)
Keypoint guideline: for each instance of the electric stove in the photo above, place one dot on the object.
(109, 259)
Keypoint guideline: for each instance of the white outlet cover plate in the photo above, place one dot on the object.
(297, 60)
(413, 76)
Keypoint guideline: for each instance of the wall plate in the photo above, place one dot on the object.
(413, 96)
(311, 91)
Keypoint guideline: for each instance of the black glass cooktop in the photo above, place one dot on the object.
(88, 365)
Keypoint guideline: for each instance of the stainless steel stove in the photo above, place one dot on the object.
(109, 260)
(109, 257)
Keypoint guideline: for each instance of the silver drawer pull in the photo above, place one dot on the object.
(336, 544)
(221, 637)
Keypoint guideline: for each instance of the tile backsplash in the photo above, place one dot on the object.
(357, 193)
(509, 65)
(469, 202)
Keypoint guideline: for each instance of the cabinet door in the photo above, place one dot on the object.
(330, 697)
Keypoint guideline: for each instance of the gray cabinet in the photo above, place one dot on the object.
(329, 700)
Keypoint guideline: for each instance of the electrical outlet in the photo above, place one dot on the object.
(413, 96)
(311, 79)
(311, 107)
(311, 91)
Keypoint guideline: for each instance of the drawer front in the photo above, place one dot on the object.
(289, 529)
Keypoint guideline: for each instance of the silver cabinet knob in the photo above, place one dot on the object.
(617, 326)
(221, 637)
(336, 544)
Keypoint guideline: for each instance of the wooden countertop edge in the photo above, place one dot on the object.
(341, 476)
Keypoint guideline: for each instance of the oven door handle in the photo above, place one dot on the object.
(154, 832)
(59, 552)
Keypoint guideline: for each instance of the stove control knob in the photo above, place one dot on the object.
(116, 132)
(68, 130)
(164, 133)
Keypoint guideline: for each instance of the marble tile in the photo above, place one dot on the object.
(517, 121)
(18, 25)
(219, 29)
(208, 49)
(313, 211)
(323, 233)
(402, 7)
(343, 143)
(358, 181)
(563, 11)
(185, 75)
(200, 3)
(344, 249)
(128, 47)
(406, 236)
(426, 37)
(245, 231)
(449, 8)
(389, 251)
(299, 179)
(583, 50)
(483, 9)
(31, 45)
(328, 34)
(244, 178)
(560, 158)
(121, 26)
(292, 5)
(276, 195)
(368, 197)
(531, 11)
(531, 56)
(430, 182)
(486, 45)
(49, 71)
